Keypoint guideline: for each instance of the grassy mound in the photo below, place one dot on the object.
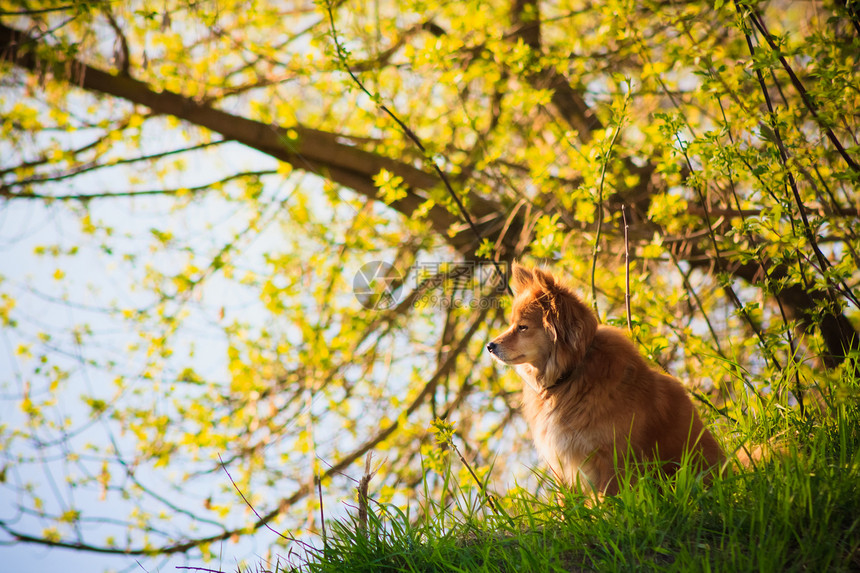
(798, 511)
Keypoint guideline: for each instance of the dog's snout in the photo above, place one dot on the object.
(492, 347)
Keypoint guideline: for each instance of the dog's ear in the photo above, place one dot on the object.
(521, 277)
(573, 323)
(566, 318)
(524, 277)
(546, 280)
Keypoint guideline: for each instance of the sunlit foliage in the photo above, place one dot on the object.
(189, 188)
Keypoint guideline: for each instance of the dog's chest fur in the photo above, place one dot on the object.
(559, 442)
(565, 434)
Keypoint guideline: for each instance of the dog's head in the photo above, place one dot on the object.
(551, 329)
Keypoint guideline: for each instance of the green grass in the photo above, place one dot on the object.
(797, 512)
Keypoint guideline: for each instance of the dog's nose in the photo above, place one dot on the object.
(492, 347)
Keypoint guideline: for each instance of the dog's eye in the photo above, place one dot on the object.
(522, 328)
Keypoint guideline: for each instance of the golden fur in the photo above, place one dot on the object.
(590, 399)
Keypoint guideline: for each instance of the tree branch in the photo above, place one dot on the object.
(304, 148)
(569, 102)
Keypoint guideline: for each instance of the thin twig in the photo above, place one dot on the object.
(5, 193)
(759, 23)
(626, 269)
(491, 501)
(259, 517)
(798, 392)
(783, 156)
(362, 493)
(599, 206)
(342, 56)
(34, 11)
(322, 512)
(718, 259)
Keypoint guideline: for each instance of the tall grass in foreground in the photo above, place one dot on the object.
(797, 511)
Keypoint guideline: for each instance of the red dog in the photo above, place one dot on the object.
(591, 400)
